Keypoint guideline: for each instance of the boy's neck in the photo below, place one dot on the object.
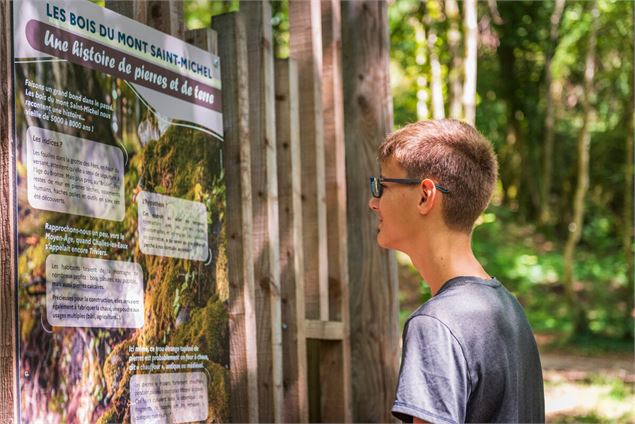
(448, 255)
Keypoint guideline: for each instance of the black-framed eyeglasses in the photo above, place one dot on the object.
(377, 189)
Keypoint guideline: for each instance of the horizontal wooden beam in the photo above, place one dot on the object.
(324, 330)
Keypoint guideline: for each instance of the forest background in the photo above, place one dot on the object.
(550, 83)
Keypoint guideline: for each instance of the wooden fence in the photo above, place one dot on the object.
(313, 300)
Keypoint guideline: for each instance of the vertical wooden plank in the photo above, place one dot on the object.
(166, 16)
(372, 271)
(336, 397)
(291, 253)
(265, 207)
(335, 171)
(239, 226)
(305, 46)
(134, 9)
(8, 384)
(313, 376)
(205, 38)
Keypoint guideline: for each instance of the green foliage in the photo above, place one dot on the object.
(530, 265)
(198, 13)
(280, 26)
(619, 391)
(511, 111)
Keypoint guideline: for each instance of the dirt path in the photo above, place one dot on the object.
(567, 367)
(588, 389)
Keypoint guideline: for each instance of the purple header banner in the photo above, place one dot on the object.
(90, 54)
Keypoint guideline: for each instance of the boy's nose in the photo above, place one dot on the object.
(373, 203)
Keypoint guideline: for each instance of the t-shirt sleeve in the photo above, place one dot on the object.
(433, 380)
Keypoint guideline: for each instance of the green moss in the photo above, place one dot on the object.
(207, 329)
(218, 394)
(186, 163)
(222, 282)
(110, 416)
(183, 163)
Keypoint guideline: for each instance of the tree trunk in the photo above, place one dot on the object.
(547, 158)
(471, 43)
(493, 11)
(627, 213)
(438, 108)
(575, 227)
(456, 65)
(421, 57)
(509, 153)
(436, 85)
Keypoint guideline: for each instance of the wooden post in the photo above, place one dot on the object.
(266, 246)
(335, 367)
(373, 278)
(7, 224)
(237, 146)
(205, 38)
(133, 9)
(305, 46)
(166, 16)
(291, 254)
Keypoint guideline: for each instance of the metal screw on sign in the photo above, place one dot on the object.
(216, 62)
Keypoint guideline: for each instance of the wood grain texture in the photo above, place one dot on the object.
(137, 9)
(305, 46)
(291, 253)
(372, 271)
(237, 153)
(335, 169)
(324, 330)
(335, 397)
(335, 366)
(8, 247)
(205, 38)
(262, 122)
(166, 16)
(313, 376)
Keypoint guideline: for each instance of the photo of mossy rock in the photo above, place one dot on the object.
(79, 374)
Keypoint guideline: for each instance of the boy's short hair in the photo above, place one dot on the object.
(456, 156)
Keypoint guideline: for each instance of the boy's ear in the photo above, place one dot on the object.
(428, 196)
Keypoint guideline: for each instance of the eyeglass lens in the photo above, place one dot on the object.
(375, 187)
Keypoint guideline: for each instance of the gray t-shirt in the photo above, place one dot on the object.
(469, 356)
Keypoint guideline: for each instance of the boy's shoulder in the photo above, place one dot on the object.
(462, 297)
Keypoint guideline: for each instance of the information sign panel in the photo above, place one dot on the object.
(122, 289)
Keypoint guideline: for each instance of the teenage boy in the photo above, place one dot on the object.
(469, 354)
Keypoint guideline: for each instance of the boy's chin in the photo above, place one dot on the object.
(382, 242)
